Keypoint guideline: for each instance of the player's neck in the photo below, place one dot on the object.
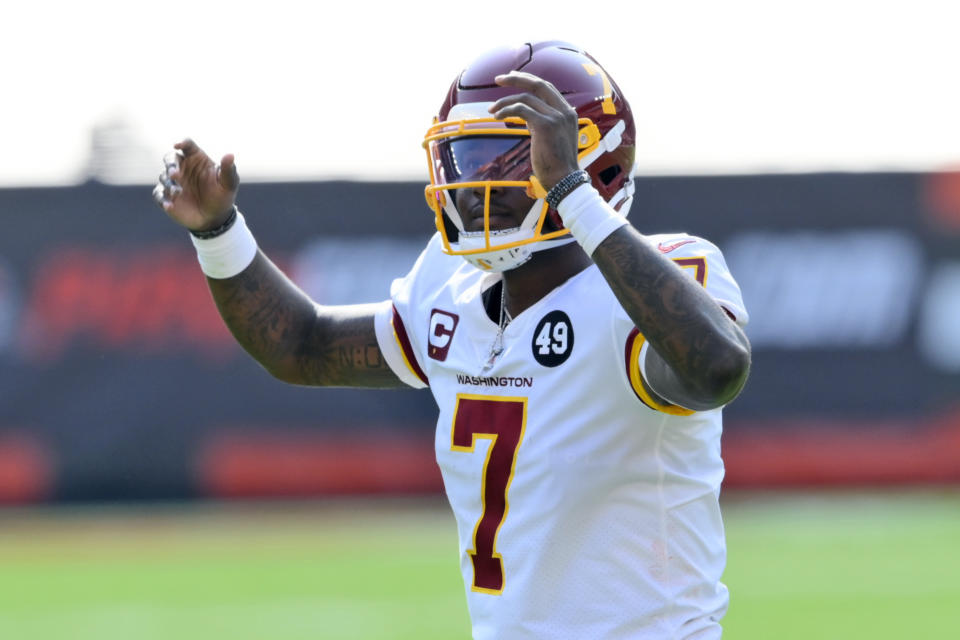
(544, 272)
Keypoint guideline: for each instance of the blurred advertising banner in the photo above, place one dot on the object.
(119, 381)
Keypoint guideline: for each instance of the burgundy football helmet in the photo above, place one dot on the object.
(468, 148)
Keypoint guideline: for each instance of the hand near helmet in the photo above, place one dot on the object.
(551, 120)
(567, 113)
(193, 190)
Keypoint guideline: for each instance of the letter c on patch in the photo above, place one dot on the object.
(440, 333)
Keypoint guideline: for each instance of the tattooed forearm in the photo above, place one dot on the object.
(342, 350)
(295, 339)
(705, 356)
(361, 357)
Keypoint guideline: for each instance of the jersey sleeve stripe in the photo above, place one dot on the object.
(400, 333)
(634, 345)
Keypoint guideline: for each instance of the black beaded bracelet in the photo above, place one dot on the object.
(219, 231)
(567, 184)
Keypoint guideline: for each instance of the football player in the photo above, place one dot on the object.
(579, 366)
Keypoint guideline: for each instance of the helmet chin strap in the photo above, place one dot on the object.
(496, 260)
(499, 260)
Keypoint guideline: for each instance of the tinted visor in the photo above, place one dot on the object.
(475, 158)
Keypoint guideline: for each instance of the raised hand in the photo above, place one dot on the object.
(551, 120)
(195, 191)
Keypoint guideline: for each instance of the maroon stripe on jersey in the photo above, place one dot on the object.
(631, 340)
(401, 332)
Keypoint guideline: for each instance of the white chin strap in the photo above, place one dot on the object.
(504, 259)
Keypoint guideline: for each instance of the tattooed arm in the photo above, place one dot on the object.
(699, 357)
(297, 340)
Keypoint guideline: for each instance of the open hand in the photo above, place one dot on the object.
(193, 190)
(551, 120)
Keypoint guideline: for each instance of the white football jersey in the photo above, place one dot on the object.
(584, 508)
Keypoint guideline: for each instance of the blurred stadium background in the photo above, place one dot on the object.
(155, 482)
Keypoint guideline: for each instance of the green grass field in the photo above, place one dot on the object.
(830, 566)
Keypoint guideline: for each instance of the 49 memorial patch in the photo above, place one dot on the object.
(553, 339)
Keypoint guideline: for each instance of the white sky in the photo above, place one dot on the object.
(346, 90)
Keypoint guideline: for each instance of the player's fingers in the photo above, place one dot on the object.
(163, 199)
(158, 195)
(528, 99)
(167, 187)
(165, 181)
(227, 174)
(187, 146)
(524, 111)
(194, 170)
(535, 85)
(171, 166)
(171, 160)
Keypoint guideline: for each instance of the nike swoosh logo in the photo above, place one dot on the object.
(667, 248)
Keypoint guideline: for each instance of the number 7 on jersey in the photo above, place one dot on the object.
(502, 420)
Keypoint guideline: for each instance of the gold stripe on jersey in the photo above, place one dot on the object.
(634, 344)
(699, 266)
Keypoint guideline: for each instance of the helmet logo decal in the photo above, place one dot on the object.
(553, 339)
(440, 334)
(608, 106)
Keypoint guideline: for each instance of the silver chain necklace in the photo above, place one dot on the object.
(505, 318)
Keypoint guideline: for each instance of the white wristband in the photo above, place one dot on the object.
(588, 217)
(229, 253)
